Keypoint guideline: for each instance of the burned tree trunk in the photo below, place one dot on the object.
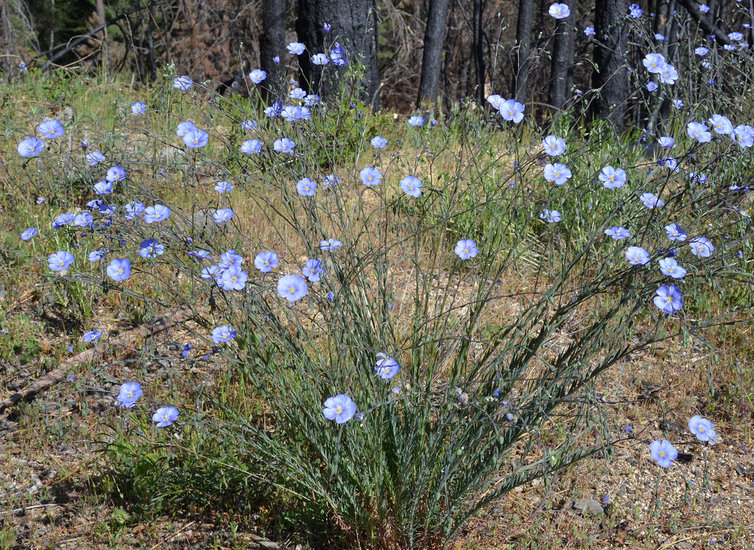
(434, 39)
(352, 24)
(561, 74)
(272, 46)
(523, 44)
(610, 76)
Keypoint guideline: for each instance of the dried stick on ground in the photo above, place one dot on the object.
(127, 339)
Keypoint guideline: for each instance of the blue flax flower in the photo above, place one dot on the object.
(284, 145)
(669, 299)
(134, 209)
(512, 111)
(29, 234)
(266, 261)
(550, 216)
(306, 187)
(184, 128)
(223, 186)
(320, 59)
(233, 278)
(378, 142)
(559, 10)
(663, 452)
(103, 187)
(670, 267)
(222, 215)
(330, 244)
(30, 147)
(612, 178)
(412, 186)
(554, 146)
(675, 232)
(618, 233)
(139, 108)
(466, 248)
(636, 255)
(313, 270)
(150, 248)
(156, 213)
(183, 83)
(386, 366)
(257, 76)
(84, 219)
(296, 48)
(292, 287)
(339, 408)
(651, 200)
(129, 394)
(93, 158)
(698, 131)
(251, 146)
(91, 336)
(416, 121)
(370, 176)
(557, 173)
(702, 247)
(50, 129)
(224, 333)
(165, 416)
(702, 428)
(338, 55)
(195, 138)
(60, 260)
(116, 173)
(119, 269)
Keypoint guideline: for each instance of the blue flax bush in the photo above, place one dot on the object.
(419, 319)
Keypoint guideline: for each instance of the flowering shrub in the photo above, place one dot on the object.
(384, 327)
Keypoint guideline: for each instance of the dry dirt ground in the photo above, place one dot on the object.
(51, 455)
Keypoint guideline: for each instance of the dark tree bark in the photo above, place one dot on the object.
(479, 51)
(434, 40)
(523, 43)
(704, 21)
(271, 45)
(353, 25)
(610, 48)
(561, 74)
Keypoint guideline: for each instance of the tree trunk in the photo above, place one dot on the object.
(353, 25)
(434, 40)
(479, 51)
(561, 75)
(610, 48)
(523, 43)
(272, 45)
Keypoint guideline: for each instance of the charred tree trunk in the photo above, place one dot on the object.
(610, 76)
(479, 51)
(561, 75)
(523, 43)
(353, 25)
(434, 39)
(272, 45)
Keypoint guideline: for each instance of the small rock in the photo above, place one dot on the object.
(588, 506)
(265, 543)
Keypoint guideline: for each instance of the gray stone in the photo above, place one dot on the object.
(588, 506)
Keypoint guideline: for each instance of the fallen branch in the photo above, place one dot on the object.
(72, 45)
(127, 339)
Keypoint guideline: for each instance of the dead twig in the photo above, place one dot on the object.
(127, 339)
